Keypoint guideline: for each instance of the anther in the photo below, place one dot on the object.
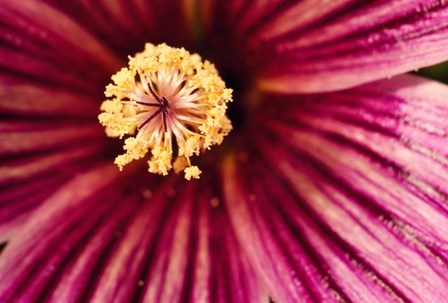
(171, 101)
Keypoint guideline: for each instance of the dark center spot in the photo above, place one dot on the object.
(236, 109)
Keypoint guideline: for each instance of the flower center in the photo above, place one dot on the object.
(169, 102)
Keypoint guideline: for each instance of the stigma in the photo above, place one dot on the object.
(168, 104)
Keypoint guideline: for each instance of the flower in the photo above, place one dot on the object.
(330, 188)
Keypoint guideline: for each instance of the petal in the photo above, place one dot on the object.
(21, 98)
(28, 180)
(23, 137)
(103, 237)
(346, 196)
(126, 25)
(43, 44)
(48, 135)
(318, 46)
(36, 159)
(19, 200)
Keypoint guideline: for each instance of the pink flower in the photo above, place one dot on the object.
(332, 187)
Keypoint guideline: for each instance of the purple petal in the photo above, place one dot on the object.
(28, 180)
(346, 196)
(58, 160)
(318, 46)
(49, 136)
(23, 137)
(126, 25)
(45, 44)
(19, 201)
(103, 237)
(26, 99)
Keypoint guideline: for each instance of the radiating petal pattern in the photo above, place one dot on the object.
(41, 43)
(317, 46)
(124, 25)
(345, 198)
(337, 197)
(22, 99)
(48, 134)
(102, 237)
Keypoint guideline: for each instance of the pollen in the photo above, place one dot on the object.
(167, 104)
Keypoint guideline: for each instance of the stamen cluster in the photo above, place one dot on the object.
(170, 102)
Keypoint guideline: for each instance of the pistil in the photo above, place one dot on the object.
(171, 101)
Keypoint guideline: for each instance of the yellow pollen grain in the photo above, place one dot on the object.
(169, 104)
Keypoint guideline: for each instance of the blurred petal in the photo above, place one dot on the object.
(43, 44)
(102, 237)
(124, 25)
(47, 136)
(27, 180)
(318, 46)
(25, 99)
(346, 196)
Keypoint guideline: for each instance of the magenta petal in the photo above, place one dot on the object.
(346, 195)
(17, 201)
(28, 180)
(103, 238)
(308, 49)
(42, 43)
(22, 137)
(126, 26)
(26, 99)
(48, 136)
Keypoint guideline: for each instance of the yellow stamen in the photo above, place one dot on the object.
(170, 101)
